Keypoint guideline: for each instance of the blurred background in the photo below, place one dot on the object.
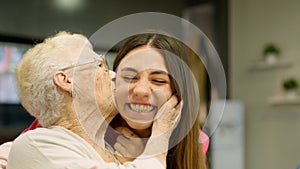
(261, 121)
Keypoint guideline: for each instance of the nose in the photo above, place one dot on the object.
(142, 89)
(112, 75)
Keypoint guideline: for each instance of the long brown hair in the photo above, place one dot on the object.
(185, 151)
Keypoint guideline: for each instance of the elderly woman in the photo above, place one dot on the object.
(66, 86)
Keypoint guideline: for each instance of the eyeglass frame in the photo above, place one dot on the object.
(99, 58)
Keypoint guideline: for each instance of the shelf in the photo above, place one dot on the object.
(282, 100)
(263, 65)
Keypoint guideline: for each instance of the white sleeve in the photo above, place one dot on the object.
(150, 163)
(50, 150)
(136, 164)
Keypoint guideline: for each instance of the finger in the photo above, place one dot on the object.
(172, 102)
(127, 142)
(126, 132)
(176, 114)
(2, 164)
(168, 106)
(118, 154)
(119, 149)
(170, 118)
(178, 110)
(123, 151)
(180, 105)
(122, 140)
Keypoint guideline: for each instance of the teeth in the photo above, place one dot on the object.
(141, 108)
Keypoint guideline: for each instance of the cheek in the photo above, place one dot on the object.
(121, 92)
(84, 83)
(168, 91)
(103, 84)
(162, 94)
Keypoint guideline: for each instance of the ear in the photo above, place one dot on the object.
(63, 81)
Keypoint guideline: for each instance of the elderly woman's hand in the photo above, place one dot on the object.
(129, 145)
(165, 122)
(4, 152)
(167, 117)
(3, 164)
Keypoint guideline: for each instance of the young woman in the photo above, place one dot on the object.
(150, 68)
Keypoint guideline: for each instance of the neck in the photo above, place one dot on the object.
(118, 121)
(70, 121)
(143, 133)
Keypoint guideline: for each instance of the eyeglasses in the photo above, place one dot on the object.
(100, 60)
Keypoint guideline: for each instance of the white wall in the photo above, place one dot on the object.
(272, 132)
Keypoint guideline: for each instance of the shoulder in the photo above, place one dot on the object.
(49, 147)
(44, 136)
(55, 138)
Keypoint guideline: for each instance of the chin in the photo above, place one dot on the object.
(139, 125)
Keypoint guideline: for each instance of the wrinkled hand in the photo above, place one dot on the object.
(128, 145)
(167, 117)
(165, 122)
(4, 151)
(3, 164)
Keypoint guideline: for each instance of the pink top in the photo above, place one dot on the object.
(35, 124)
(204, 140)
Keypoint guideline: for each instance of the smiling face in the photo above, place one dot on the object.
(142, 86)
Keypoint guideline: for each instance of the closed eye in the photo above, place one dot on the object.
(129, 78)
(159, 81)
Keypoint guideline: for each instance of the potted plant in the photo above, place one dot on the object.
(271, 53)
(290, 86)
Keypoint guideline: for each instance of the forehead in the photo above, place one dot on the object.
(144, 58)
(85, 53)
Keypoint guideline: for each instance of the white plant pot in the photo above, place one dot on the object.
(292, 94)
(271, 58)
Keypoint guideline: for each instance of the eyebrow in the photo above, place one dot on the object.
(130, 69)
(159, 72)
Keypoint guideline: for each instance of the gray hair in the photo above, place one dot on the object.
(38, 92)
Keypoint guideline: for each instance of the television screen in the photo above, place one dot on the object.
(13, 117)
(10, 55)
